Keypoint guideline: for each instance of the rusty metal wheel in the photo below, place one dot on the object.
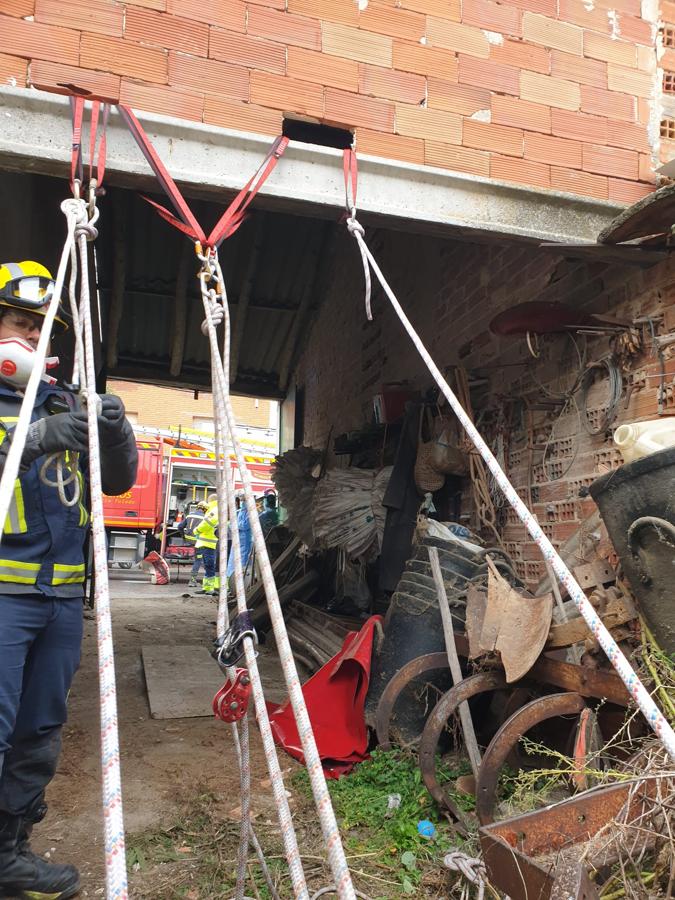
(398, 683)
(506, 738)
(446, 707)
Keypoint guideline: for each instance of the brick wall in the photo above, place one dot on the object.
(451, 291)
(556, 94)
(160, 407)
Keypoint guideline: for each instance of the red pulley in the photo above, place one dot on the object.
(231, 702)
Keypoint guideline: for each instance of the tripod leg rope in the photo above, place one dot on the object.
(635, 687)
(329, 826)
(278, 789)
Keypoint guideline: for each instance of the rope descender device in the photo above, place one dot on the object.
(229, 648)
(231, 702)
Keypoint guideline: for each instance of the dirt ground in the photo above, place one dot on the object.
(161, 759)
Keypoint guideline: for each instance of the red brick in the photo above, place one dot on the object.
(497, 138)
(298, 31)
(126, 58)
(37, 41)
(552, 33)
(458, 98)
(194, 73)
(630, 81)
(599, 46)
(349, 110)
(553, 150)
(430, 124)
(636, 30)
(461, 38)
(390, 146)
(171, 32)
(579, 126)
(628, 191)
(326, 10)
(446, 9)
(610, 161)
(628, 136)
(630, 7)
(275, 4)
(600, 102)
(13, 70)
(103, 16)
(575, 68)
(162, 99)
(48, 76)
(458, 159)
(290, 95)
(353, 43)
(396, 22)
(548, 89)
(403, 87)
(578, 13)
(485, 74)
(311, 65)
(159, 5)
(646, 58)
(572, 181)
(230, 14)
(493, 16)
(646, 168)
(521, 55)
(523, 171)
(425, 60)
(18, 8)
(544, 7)
(520, 114)
(242, 116)
(255, 53)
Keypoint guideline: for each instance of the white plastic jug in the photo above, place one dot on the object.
(642, 438)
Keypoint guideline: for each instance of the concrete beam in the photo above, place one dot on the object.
(207, 161)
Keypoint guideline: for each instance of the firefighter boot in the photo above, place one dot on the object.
(216, 584)
(193, 582)
(22, 873)
(207, 586)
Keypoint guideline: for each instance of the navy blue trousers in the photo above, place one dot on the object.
(210, 558)
(40, 641)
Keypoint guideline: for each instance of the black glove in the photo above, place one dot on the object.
(111, 419)
(54, 434)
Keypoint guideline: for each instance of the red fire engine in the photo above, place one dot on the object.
(170, 481)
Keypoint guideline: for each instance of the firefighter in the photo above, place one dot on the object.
(42, 573)
(207, 542)
(187, 529)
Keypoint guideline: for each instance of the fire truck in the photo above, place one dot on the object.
(174, 474)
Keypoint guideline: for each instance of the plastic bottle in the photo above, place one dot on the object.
(642, 438)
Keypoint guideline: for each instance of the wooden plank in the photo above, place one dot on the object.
(181, 680)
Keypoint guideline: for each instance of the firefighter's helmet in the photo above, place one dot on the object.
(28, 286)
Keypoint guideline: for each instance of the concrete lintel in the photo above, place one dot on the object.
(206, 160)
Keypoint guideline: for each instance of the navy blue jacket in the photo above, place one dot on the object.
(42, 547)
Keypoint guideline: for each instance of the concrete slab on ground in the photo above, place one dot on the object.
(181, 680)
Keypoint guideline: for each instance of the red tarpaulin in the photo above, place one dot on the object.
(335, 698)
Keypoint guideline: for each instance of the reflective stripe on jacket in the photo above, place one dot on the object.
(205, 532)
(42, 548)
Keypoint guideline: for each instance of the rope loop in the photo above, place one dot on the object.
(470, 868)
(358, 232)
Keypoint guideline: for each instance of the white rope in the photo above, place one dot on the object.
(336, 856)
(635, 687)
(116, 873)
(222, 425)
(473, 870)
(13, 461)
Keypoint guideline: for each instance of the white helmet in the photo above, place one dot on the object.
(17, 359)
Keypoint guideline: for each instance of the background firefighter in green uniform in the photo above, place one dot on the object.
(42, 573)
(187, 528)
(207, 543)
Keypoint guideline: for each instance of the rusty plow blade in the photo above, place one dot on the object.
(516, 626)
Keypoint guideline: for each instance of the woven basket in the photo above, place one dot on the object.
(427, 477)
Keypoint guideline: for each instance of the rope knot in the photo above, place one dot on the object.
(355, 227)
(86, 229)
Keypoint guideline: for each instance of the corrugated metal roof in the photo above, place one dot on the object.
(273, 289)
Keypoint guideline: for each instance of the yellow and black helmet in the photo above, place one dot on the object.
(29, 286)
